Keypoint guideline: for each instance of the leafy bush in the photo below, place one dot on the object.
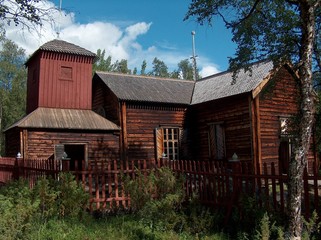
(160, 203)
(21, 207)
(72, 199)
(17, 210)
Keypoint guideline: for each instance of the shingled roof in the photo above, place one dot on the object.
(148, 89)
(221, 85)
(60, 46)
(162, 90)
(54, 118)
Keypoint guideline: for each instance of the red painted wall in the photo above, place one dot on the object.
(61, 81)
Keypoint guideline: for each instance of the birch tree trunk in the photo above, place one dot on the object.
(307, 111)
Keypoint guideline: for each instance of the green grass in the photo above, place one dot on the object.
(110, 227)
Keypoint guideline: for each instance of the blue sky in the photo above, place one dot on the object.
(135, 30)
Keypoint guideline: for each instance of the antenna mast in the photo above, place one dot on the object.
(194, 56)
(58, 28)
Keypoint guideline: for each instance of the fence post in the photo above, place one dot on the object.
(235, 170)
(16, 171)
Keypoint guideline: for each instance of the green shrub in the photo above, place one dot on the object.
(21, 207)
(71, 199)
(311, 227)
(17, 210)
(44, 192)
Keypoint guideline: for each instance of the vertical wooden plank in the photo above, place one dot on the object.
(116, 183)
(266, 186)
(281, 184)
(96, 170)
(275, 205)
(103, 184)
(124, 131)
(110, 178)
(90, 186)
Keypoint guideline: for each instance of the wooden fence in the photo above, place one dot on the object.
(217, 184)
(222, 184)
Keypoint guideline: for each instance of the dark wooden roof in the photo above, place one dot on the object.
(53, 118)
(148, 89)
(220, 85)
(162, 90)
(60, 46)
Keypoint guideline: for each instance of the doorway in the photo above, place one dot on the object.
(284, 156)
(76, 153)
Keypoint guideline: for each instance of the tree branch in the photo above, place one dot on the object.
(247, 15)
(294, 2)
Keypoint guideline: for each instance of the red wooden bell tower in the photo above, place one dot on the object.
(60, 76)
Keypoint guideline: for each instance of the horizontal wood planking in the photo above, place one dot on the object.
(280, 98)
(142, 120)
(234, 114)
(101, 146)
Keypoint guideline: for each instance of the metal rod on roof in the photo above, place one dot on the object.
(194, 57)
(58, 28)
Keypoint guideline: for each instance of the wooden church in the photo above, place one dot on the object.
(125, 117)
(59, 115)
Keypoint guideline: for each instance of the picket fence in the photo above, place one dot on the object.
(218, 184)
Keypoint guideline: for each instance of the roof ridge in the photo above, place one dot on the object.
(231, 71)
(144, 76)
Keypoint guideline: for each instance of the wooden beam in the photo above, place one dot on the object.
(124, 130)
(258, 132)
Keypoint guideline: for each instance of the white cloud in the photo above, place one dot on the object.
(120, 41)
(209, 70)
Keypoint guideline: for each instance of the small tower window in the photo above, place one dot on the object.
(65, 73)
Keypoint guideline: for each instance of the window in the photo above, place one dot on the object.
(284, 126)
(167, 142)
(216, 140)
(286, 146)
(65, 73)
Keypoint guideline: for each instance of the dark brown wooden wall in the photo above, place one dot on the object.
(101, 146)
(234, 113)
(104, 98)
(33, 84)
(12, 139)
(53, 90)
(141, 123)
(279, 98)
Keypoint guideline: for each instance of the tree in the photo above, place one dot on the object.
(143, 68)
(186, 70)
(102, 64)
(159, 69)
(13, 76)
(121, 67)
(280, 30)
(27, 13)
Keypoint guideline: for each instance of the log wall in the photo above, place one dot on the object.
(104, 99)
(101, 146)
(234, 114)
(141, 122)
(279, 98)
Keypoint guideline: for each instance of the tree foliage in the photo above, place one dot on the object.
(28, 13)
(13, 76)
(159, 68)
(281, 30)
